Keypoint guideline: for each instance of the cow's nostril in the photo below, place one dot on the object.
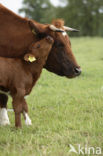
(77, 71)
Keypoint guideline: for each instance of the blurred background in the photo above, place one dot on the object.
(86, 15)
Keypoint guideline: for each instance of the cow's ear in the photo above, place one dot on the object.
(37, 27)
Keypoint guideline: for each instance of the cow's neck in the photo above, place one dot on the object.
(36, 67)
(15, 34)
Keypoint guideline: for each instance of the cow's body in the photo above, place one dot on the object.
(18, 77)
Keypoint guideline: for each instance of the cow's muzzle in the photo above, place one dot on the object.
(77, 71)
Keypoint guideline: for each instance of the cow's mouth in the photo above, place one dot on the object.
(75, 73)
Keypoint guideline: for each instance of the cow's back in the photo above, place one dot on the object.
(15, 33)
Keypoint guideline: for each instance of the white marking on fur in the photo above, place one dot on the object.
(4, 119)
(27, 119)
(64, 33)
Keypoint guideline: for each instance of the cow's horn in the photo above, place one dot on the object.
(70, 29)
(53, 28)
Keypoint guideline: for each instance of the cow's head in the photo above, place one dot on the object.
(61, 60)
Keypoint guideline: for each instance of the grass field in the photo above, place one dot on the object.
(63, 111)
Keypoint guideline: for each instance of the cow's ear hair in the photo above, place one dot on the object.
(37, 27)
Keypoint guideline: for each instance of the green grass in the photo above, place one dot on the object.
(63, 111)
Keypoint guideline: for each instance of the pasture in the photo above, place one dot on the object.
(63, 111)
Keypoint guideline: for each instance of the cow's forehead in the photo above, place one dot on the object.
(64, 33)
(63, 37)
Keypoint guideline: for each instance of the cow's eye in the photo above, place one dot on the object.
(38, 46)
(59, 44)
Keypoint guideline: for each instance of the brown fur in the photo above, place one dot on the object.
(16, 36)
(19, 77)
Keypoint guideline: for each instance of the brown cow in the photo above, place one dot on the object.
(18, 77)
(17, 33)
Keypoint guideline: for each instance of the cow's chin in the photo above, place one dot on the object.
(70, 74)
(71, 77)
(67, 75)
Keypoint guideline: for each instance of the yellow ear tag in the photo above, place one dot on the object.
(31, 59)
(33, 31)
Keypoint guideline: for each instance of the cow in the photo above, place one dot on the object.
(18, 77)
(17, 34)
